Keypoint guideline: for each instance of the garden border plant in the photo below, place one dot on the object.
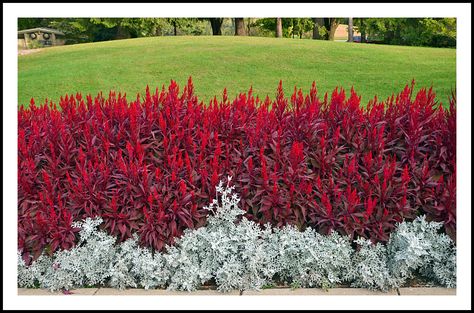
(237, 253)
(150, 166)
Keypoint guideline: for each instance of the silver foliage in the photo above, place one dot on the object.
(233, 254)
(96, 260)
(414, 248)
(239, 254)
(370, 269)
(419, 247)
(309, 259)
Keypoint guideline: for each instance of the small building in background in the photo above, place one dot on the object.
(342, 33)
(39, 37)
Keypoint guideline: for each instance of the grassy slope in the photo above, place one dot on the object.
(235, 63)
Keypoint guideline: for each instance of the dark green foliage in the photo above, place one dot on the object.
(433, 32)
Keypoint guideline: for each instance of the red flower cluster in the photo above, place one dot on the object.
(150, 166)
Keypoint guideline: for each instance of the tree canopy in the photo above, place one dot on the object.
(437, 32)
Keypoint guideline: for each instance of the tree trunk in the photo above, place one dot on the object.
(279, 28)
(318, 22)
(332, 29)
(239, 26)
(175, 28)
(361, 29)
(351, 30)
(216, 24)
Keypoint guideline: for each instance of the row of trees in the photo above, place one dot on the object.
(435, 32)
(440, 32)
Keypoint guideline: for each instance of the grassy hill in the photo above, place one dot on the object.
(232, 62)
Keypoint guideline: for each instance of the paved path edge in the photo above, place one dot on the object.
(418, 291)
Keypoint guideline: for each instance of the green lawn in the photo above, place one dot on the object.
(235, 63)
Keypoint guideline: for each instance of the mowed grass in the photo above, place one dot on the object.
(235, 63)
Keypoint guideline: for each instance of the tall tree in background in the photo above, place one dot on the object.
(350, 30)
(290, 27)
(174, 22)
(26, 23)
(318, 22)
(279, 28)
(331, 23)
(239, 26)
(216, 24)
(361, 28)
(299, 26)
(120, 28)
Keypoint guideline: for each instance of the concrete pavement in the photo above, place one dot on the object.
(270, 292)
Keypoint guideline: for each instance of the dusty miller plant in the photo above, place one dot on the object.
(309, 259)
(369, 267)
(418, 246)
(96, 260)
(414, 248)
(239, 254)
(232, 253)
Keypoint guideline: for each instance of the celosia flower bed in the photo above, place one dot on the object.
(150, 166)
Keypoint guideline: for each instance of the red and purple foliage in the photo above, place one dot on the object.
(150, 166)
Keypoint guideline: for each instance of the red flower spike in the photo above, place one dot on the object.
(182, 188)
(405, 175)
(370, 206)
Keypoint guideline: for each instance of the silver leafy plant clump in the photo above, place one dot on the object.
(370, 268)
(234, 254)
(419, 246)
(237, 253)
(95, 260)
(309, 259)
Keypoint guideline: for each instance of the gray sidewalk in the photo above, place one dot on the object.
(422, 291)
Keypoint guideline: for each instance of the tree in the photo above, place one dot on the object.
(351, 30)
(27, 23)
(290, 27)
(185, 26)
(318, 23)
(126, 27)
(239, 26)
(174, 22)
(434, 32)
(279, 29)
(331, 24)
(301, 26)
(324, 28)
(363, 34)
(216, 24)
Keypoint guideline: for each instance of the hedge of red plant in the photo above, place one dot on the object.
(150, 166)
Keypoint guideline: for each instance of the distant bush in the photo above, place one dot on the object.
(149, 166)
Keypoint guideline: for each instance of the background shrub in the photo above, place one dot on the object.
(150, 166)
